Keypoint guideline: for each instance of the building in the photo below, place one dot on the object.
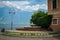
(54, 9)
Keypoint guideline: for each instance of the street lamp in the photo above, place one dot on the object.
(11, 12)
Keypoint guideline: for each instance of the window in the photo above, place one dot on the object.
(55, 21)
(54, 4)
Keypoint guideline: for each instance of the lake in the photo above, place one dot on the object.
(8, 26)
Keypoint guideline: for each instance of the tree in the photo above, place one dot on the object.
(41, 18)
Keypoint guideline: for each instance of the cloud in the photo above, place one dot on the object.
(30, 8)
(33, 7)
(14, 3)
(43, 6)
(23, 5)
(1, 4)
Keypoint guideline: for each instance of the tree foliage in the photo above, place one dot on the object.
(41, 19)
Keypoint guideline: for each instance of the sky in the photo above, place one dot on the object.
(23, 10)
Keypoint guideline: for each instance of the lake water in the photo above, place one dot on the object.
(8, 26)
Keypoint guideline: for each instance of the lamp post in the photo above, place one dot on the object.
(11, 12)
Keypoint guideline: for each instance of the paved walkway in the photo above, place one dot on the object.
(4, 37)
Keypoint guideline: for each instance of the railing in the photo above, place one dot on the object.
(29, 34)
